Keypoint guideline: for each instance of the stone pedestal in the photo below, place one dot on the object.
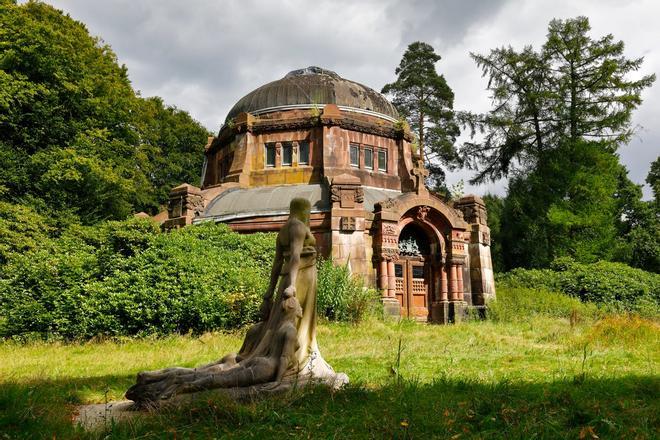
(391, 309)
(457, 311)
(440, 312)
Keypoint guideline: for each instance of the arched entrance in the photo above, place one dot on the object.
(415, 271)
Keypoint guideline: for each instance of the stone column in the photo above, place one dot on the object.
(443, 283)
(453, 282)
(382, 277)
(459, 281)
(391, 280)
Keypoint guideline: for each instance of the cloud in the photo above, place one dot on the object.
(202, 56)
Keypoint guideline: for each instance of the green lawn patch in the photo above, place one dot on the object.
(545, 377)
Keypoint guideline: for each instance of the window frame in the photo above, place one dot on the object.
(371, 152)
(382, 165)
(269, 147)
(356, 148)
(287, 146)
(300, 150)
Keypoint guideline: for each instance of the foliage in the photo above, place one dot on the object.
(494, 207)
(615, 286)
(422, 96)
(559, 115)
(524, 303)
(126, 278)
(21, 230)
(342, 296)
(653, 179)
(73, 133)
(638, 226)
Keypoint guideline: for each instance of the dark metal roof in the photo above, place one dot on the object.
(274, 200)
(313, 86)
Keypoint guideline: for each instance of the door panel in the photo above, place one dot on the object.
(412, 288)
(399, 288)
(418, 290)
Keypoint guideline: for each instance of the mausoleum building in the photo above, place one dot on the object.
(342, 146)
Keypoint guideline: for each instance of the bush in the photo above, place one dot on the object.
(342, 296)
(615, 286)
(126, 278)
(514, 303)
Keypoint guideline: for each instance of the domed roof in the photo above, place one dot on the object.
(313, 86)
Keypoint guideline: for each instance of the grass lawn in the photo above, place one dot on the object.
(538, 378)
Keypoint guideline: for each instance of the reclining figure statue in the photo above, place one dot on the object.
(278, 352)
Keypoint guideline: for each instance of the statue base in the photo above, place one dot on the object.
(98, 416)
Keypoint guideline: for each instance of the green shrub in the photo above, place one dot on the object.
(342, 296)
(516, 303)
(615, 286)
(126, 278)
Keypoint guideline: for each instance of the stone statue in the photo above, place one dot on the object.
(277, 353)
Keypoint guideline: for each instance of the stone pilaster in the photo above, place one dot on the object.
(185, 203)
(348, 222)
(482, 279)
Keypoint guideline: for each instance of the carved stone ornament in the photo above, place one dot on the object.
(422, 212)
(195, 204)
(335, 193)
(387, 203)
(390, 230)
(347, 224)
(390, 254)
(359, 195)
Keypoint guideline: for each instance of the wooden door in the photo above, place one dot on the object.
(412, 288)
(418, 290)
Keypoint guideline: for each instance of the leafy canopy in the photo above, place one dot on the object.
(74, 135)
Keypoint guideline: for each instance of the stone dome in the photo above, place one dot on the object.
(314, 86)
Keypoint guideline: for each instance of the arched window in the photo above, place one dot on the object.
(413, 241)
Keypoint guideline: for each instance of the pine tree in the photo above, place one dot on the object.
(423, 97)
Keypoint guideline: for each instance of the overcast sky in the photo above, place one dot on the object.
(202, 56)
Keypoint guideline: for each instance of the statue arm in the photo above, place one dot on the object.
(297, 235)
(275, 271)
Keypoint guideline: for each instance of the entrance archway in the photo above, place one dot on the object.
(415, 270)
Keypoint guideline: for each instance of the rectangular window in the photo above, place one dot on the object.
(303, 153)
(369, 158)
(382, 160)
(355, 155)
(287, 154)
(270, 155)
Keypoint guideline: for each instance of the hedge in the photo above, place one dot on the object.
(615, 286)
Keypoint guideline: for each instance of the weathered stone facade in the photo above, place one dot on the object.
(352, 158)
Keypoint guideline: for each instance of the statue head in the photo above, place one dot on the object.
(291, 306)
(299, 209)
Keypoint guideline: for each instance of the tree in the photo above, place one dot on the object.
(423, 97)
(575, 89)
(558, 117)
(638, 225)
(653, 179)
(75, 137)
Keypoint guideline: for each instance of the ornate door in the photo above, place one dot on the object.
(412, 287)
